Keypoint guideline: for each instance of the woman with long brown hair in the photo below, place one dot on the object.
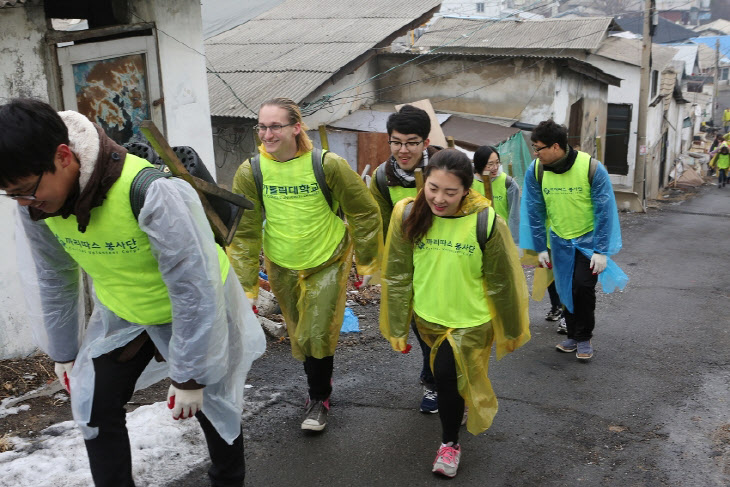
(450, 261)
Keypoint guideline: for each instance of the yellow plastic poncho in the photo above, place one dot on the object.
(506, 294)
(312, 300)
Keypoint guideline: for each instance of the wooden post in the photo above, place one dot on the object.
(488, 187)
(163, 149)
(450, 142)
(418, 173)
(323, 137)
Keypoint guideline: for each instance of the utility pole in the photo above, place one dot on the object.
(641, 146)
(716, 79)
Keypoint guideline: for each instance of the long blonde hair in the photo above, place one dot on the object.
(304, 143)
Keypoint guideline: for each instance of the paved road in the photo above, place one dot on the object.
(651, 409)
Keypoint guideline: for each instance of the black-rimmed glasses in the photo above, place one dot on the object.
(275, 128)
(397, 144)
(538, 149)
(30, 196)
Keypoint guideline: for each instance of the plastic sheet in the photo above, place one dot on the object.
(313, 302)
(360, 210)
(350, 323)
(214, 335)
(506, 295)
(604, 239)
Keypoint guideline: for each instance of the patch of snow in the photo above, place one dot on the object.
(15, 410)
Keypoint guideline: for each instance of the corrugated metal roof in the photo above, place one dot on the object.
(629, 51)
(584, 34)
(253, 88)
(719, 25)
(706, 56)
(372, 120)
(296, 46)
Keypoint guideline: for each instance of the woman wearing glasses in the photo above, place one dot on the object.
(505, 191)
(450, 262)
(308, 248)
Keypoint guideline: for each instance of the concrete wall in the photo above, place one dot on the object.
(182, 68)
(22, 56)
(627, 93)
(349, 93)
(233, 143)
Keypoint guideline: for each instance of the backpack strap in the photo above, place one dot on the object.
(508, 181)
(140, 184)
(539, 170)
(407, 211)
(485, 225)
(381, 180)
(318, 168)
(258, 178)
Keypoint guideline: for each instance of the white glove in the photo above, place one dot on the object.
(544, 259)
(63, 371)
(598, 263)
(365, 281)
(184, 402)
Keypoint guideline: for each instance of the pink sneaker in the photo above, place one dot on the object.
(447, 460)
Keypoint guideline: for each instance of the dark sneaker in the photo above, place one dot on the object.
(447, 460)
(430, 402)
(554, 314)
(584, 350)
(567, 346)
(562, 327)
(315, 418)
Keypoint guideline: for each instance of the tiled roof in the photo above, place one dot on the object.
(295, 47)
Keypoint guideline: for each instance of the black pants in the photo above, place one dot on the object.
(426, 374)
(722, 177)
(554, 297)
(319, 376)
(110, 453)
(582, 320)
(451, 404)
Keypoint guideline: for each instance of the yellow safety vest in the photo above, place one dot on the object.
(499, 196)
(478, 186)
(448, 287)
(116, 253)
(568, 198)
(301, 230)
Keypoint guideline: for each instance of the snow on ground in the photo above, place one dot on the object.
(162, 450)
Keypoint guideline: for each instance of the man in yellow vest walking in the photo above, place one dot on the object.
(162, 287)
(726, 120)
(574, 191)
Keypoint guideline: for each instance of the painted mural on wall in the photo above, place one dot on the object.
(113, 93)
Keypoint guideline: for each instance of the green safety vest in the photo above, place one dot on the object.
(499, 195)
(448, 287)
(568, 198)
(723, 161)
(395, 193)
(301, 230)
(478, 186)
(116, 253)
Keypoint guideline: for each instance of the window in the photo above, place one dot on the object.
(480, 7)
(724, 73)
(654, 83)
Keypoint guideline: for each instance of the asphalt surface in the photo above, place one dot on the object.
(651, 409)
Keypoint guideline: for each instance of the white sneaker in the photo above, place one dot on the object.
(562, 327)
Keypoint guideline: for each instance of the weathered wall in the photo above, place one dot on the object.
(183, 75)
(233, 142)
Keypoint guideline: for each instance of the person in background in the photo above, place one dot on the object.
(505, 190)
(721, 161)
(162, 287)
(394, 180)
(451, 264)
(308, 248)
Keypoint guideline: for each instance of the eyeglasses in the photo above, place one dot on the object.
(492, 165)
(538, 149)
(25, 196)
(397, 144)
(275, 128)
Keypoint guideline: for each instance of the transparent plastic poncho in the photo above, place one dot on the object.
(506, 295)
(213, 338)
(605, 238)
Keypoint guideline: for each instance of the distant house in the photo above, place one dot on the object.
(719, 27)
(524, 70)
(130, 61)
(320, 53)
(665, 31)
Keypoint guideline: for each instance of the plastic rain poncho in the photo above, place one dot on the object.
(213, 338)
(605, 238)
(506, 294)
(312, 300)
